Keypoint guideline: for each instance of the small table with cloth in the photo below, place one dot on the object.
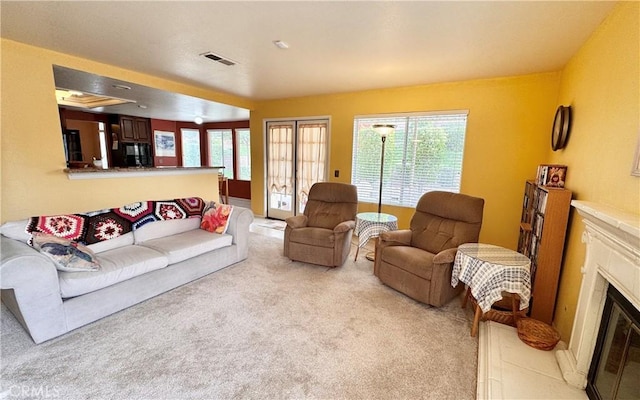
(489, 270)
(372, 224)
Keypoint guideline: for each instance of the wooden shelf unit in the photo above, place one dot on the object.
(543, 226)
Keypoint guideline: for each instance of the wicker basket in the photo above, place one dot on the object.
(537, 334)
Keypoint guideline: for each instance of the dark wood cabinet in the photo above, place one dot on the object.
(543, 226)
(132, 129)
(142, 130)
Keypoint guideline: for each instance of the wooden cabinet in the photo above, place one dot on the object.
(131, 129)
(543, 226)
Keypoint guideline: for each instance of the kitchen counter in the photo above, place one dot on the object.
(101, 173)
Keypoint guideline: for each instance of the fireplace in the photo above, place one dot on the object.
(615, 368)
(609, 294)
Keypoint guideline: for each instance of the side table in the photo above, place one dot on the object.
(489, 270)
(372, 224)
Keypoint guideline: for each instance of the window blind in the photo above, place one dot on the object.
(423, 154)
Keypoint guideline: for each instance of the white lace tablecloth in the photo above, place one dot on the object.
(489, 270)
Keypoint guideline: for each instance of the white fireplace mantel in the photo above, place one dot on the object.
(612, 239)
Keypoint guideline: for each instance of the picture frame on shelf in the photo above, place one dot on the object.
(551, 175)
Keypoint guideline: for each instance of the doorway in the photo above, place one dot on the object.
(85, 141)
(296, 159)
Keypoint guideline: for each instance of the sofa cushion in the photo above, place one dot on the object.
(117, 265)
(65, 254)
(160, 229)
(16, 230)
(313, 236)
(410, 259)
(188, 244)
(120, 241)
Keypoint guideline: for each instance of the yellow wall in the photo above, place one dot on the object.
(601, 83)
(32, 150)
(507, 136)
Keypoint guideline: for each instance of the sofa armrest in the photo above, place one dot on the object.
(445, 256)
(344, 226)
(239, 223)
(441, 291)
(297, 221)
(396, 238)
(31, 290)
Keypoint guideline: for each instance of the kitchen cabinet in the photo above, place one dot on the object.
(131, 129)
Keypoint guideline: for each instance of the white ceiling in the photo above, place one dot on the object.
(334, 46)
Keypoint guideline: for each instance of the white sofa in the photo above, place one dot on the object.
(144, 263)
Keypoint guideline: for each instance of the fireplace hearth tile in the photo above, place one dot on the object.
(510, 369)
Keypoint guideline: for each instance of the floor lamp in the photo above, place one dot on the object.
(383, 130)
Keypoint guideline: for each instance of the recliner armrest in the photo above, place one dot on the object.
(297, 221)
(445, 256)
(401, 237)
(344, 226)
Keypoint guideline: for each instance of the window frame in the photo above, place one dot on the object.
(410, 169)
(182, 146)
(230, 170)
(237, 155)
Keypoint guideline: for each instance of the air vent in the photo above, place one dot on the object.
(219, 59)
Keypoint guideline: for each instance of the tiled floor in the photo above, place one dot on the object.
(268, 227)
(507, 368)
(510, 369)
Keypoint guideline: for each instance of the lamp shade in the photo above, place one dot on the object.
(384, 130)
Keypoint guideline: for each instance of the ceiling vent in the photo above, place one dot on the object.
(219, 59)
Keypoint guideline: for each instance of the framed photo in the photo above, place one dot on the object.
(635, 170)
(551, 175)
(165, 143)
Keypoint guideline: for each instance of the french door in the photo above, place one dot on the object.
(296, 159)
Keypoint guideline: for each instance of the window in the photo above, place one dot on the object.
(190, 147)
(243, 149)
(220, 142)
(423, 154)
(102, 132)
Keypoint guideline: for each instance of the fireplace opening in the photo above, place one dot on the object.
(615, 368)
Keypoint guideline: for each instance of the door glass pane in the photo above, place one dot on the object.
(243, 149)
(190, 147)
(312, 147)
(280, 166)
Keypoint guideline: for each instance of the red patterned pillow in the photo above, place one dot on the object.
(216, 218)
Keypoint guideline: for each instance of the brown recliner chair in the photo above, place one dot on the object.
(322, 235)
(418, 261)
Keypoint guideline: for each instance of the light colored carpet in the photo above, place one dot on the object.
(266, 328)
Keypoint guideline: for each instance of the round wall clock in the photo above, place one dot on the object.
(560, 130)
